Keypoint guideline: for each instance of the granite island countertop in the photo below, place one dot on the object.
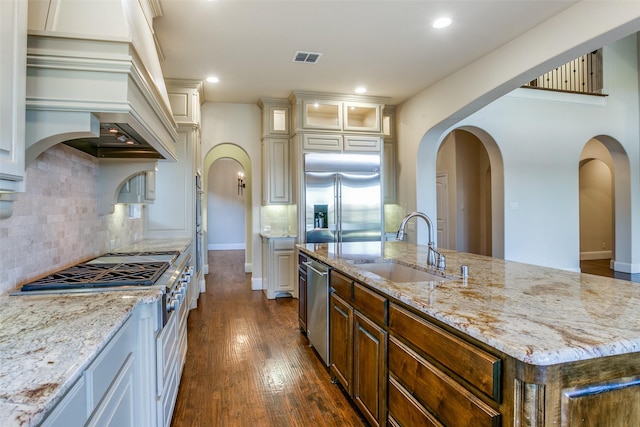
(47, 341)
(540, 316)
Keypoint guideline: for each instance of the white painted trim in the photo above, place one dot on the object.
(595, 255)
(226, 246)
(256, 283)
(625, 267)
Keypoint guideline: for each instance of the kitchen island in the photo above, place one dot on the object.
(545, 346)
(47, 342)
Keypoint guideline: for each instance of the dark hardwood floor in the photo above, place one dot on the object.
(600, 267)
(247, 363)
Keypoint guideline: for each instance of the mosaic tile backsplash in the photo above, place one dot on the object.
(55, 223)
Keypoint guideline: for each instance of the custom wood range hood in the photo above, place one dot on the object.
(94, 83)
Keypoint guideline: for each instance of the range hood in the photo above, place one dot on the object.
(93, 67)
(94, 83)
(116, 140)
(95, 95)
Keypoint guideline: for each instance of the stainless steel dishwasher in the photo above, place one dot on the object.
(318, 308)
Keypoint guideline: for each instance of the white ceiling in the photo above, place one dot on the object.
(388, 46)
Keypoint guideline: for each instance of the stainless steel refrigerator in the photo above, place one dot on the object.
(343, 197)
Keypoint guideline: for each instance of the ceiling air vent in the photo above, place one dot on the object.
(307, 57)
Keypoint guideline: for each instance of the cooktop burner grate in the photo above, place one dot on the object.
(100, 275)
(141, 253)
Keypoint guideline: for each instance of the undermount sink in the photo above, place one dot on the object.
(400, 273)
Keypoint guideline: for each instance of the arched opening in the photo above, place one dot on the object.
(466, 179)
(233, 159)
(226, 208)
(605, 205)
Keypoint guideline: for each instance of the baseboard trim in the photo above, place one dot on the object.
(625, 267)
(226, 246)
(591, 255)
(256, 284)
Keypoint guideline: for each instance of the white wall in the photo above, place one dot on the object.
(239, 124)
(225, 207)
(541, 136)
(426, 118)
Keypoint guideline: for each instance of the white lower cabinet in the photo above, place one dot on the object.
(118, 387)
(72, 411)
(279, 266)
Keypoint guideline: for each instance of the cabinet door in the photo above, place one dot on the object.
(277, 172)
(72, 410)
(389, 173)
(369, 373)
(302, 300)
(13, 43)
(284, 281)
(117, 407)
(340, 340)
(362, 117)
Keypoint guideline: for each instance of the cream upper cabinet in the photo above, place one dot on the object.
(328, 112)
(13, 21)
(276, 116)
(389, 155)
(276, 171)
(361, 117)
(321, 114)
(276, 152)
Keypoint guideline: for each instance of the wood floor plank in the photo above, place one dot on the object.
(247, 363)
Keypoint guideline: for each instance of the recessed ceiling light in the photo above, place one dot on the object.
(442, 23)
(213, 79)
(361, 89)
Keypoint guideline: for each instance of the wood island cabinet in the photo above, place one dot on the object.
(358, 345)
(302, 292)
(405, 366)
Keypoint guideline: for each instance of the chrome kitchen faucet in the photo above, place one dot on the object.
(431, 260)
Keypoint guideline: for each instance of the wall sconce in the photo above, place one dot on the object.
(241, 184)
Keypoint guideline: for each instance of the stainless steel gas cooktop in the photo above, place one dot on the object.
(116, 269)
(100, 276)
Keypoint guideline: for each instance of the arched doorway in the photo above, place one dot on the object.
(235, 154)
(465, 187)
(226, 206)
(604, 194)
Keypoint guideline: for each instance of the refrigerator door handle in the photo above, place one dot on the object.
(338, 207)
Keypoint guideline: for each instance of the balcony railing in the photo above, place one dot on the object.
(582, 75)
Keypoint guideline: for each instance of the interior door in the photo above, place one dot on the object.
(442, 200)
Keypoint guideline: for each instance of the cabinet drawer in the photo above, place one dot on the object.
(438, 392)
(361, 143)
(370, 303)
(404, 410)
(322, 142)
(341, 285)
(282, 244)
(479, 368)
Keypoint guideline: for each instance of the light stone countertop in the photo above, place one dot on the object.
(47, 341)
(540, 316)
